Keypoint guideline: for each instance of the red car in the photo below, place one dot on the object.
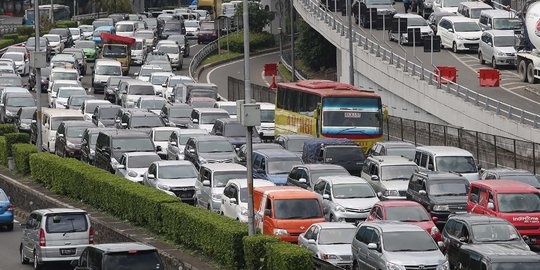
(405, 211)
(17, 48)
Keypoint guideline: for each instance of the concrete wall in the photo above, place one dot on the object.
(438, 103)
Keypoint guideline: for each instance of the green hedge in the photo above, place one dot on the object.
(284, 255)
(88, 21)
(257, 41)
(7, 128)
(6, 42)
(255, 250)
(25, 30)
(21, 156)
(216, 236)
(10, 36)
(66, 24)
(7, 141)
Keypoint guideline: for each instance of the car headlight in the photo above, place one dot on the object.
(280, 232)
(202, 160)
(330, 257)
(243, 211)
(340, 208)
(501, 54)
(52, 139)
(393, 266)
(441, 207)
(434, 230)
(216, 197)
(164, 187)
(132, 174)
(459, 37)
(391, 193)
(444, 266)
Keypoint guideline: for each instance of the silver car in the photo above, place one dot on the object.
(133, 165)
(330, 241)
(55, 235)
(497, 48)
(175, 177)
(213, 178)
(177, 142)
(393, 245)
(345, 198)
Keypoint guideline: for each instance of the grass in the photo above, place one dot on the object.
(285, 73)
(220, 57)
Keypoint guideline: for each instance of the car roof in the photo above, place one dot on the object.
(497, 13)
(192, 131)
(275, 153)
(80, 123)
(476, 4)
(48, 211)
(242, 182)
(226, 102)
(394, 203)
(163, 73)
(122, 247)
(210, 110)
(103, 106)
(500, 33)
(165, 128)
(479, 219)
(319, 167)
(500, 251)
(100, 101)
(152, 98)
(506, 186)
(505, 171)
(396, 144)
(394, 226)
(19, 94)
(434, 176)
(335, 225)
(286, 192)
(222, 167)
(343, 179)
(295, 136)
(108, 61)
(173, 163)
(392, 160)
(123, 133)
(61, 112)
(460, 19)
(443, 151)
(140, 154)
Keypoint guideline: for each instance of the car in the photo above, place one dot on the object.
(64, 93)
(146, 71)
(392, 245)
(55, 41)
(497, 48)
(233, 131)
(88, 144)
(473, 9)
(126, 28)
(499, 19)
(153, 104)
(174, 81)
(459, 33)
(306, 175)
(74, 102)
(182, 42)
(55, 85)
(134, 165)
(208, 32)
(450, 6)
(148, 37)
(8, 64)
(202, 102)
(435, 17)
(23, 118)
(131, 90)
(86, 32)
(104, 115)
(172, 27)
(468, 230)
(89, 49)
(102, 71)
(64, 34)
(496, 256)
(65, 60)
(178, 140)
(408, 212)
(153, 56)
(96, 36)
(159, 81)
(345, 198)
(175, 55)
(330, 241)
(340, 151)
(11, 103)
(393, 148)
(10, 80)
(129, 255)
(293, 142)
(6, 217)
(55, 235)
(208, 149)
(160, 136)
(447, 159)
(273, 164)
(44, 45)
(192, 28)
(69, 136)
(174, 177)
(7, 70)
(389, 175)
(11, 90)
(51, 120)
(205, 118)
(234, 199)
(112, 144)
(21, 62)
(241, 153)
(213, 177)
(67, 74)
(413, 22)
(88, 107)
(138, 52)
(177, 114)
(111, 88)
(523, 176)
(78, 54)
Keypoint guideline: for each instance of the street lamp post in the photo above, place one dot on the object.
(293, 67)
(37, 85)
(351, 55)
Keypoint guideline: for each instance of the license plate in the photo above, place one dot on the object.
(67, 251)
(460, 212)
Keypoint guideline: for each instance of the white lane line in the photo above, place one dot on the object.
(516, 87)
(234, 62)
(510, 83)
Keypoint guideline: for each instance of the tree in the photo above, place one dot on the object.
(314, 50)
(114, 6)
(258, 17)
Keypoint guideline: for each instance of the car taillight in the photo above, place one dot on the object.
(10, 207)
(91, 236)
(42, 241)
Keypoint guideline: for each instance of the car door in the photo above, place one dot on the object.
(189, 151)
(303, 174)
(292, 179)
(172, 147)
(268, 224)
(226, 206)
(442, 31)
(207, 190)
(374, 260)
(26, 239)
(122, 171)
(455, 244)
(489, 47)
(359, 247)
(153, 170)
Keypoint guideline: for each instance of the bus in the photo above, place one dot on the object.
(322, 108)
(60, 13)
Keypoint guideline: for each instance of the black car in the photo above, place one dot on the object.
(45, 74)
(119, 256)
(24, 119)
(64, 34)
(463, 230)
(104, 115)
(88, 144)
(69, 136)
(441, 193)
(495, 257)
(11, 103)
(111, 144)
(233, 131)
(208, 149)
(178, 114)
(111, 87)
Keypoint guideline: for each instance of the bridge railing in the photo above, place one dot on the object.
(89, 16)
(313, 7)
(197, 59)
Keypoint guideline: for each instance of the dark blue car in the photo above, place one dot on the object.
(6, 211)
(274, 165)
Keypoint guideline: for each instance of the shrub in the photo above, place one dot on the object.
(66, 24)
(21, 156)
(25, 30)
(7, 141)
(6, 42)
(7, 128)
(257, 41)
(216, 236)
(21, 39)
(88, 21)
(10, 36)
(255, 250)
(284, 255)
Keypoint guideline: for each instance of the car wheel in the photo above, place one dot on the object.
(493, 63)
(23, 258)
(482, 61)
(355, 265)
(449, 264)
(37, 265)
(454, 48)
(530, 73)
(522, 70)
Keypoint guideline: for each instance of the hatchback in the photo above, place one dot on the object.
(330, 241)
(174, 177)
(134, 165)
(119, 256)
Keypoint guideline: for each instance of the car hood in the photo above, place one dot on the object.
(396, 184)
(449, 199)
(434, 257)
(180, 121)
(506, 49)
(476, 34)
(340, 250)
(217, 156)
(178, 182)
(357, 203)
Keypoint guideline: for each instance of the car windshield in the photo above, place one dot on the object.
(117, 51)
(7, 70)
(138, 45)
(66, 223)
(108, 113)
(124, 28)
(203, 93)
(515, 265)
(180, 113)
(494, 232)
(140, 260)
(341, 236)
(467, 27)
(91, 106)
(215, 146)
(506, 23)
(32, 42)
(10, 81)
(142, 161)
(77, 101)
(177, 171)
(75, 132)
(344, 153)
(351, 112)
(133, 144)
(172, 26)
(519, 202)
(527, 179)
(147, 71)
(504, 41)
(452, 3)
(141, 90)
(86, 28)
(282, 165)
(85, 45)
(207, 26)
(352, 190)
(191, 23)
(231, 109)
(235, 130)
(162, 135)
(27, 113)
(297, 209)
(210, 118)
(458, 164)
(416, 22)
(220, 179)
(13, 56)
(185, 137)
(410, 241)
(159, 79)
(66, 93)
(175, 81)
(146, 122)
(20, 102)
(397, 172)
(314, 175)
(165, 66)
(403, 152)
(295, 145)
(267, 116)
(169, 49)
(75, 31)
(67, 76)
(93, 139)
(448, 188)
(406, 213)
(56, 121)
(153, 104)
(52, 38)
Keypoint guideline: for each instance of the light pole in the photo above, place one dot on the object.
(351, 55)
(51, 17)
(293, 68)
(37, 85)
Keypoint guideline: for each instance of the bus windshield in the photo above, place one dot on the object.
(352, 112)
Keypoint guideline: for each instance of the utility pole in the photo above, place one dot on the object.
(51, 16)
(351, 55)
(293, 68)
(37, 86)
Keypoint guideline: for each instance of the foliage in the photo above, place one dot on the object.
(65, 24)
(10, 36)
(255, 250)
(257, 41)
(258, 17)
(114, 6)
(220, 57)
(7, 128)
(21, 156)
(284, 72)
(3, 151)
(284, 255)
(6, 42)
(25, 30)
(87, 21)
(314, 49)
(7, 141)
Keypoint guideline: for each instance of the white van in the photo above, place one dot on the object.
(472, 10)
(51, 119)
(447, 159)
(499, 20)
(268, 115)
(126, 28)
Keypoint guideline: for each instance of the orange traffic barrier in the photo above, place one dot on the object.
(489, 77)
(447, 74)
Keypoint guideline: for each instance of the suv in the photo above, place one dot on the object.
(102, 71)
(174, 177)
(496, 256)
(392, 245)
(497, 47)
(393, 148)
(234, 202)
(388, 175)
(464, 230)
(139, 120)
(104, 115)
(523, 176)
(178, 114)
(205, 118)
(119, 256)
(212, 181)
(447, 159)
(130, 90)
(111, 144)
(441, 194)
(338, 151)
(208, 149)
(55, 235)
(273, 165)
(88, 144)
(306, 175)
(233, 131)
(69, 136)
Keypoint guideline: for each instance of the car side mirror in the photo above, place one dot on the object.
(191, 150)
(206, 183)
(195, 121)
(326, 196)
(490, 44)
(159, 148)
(124, 92)
(151, 176)
(34, 121)
(174, 144)
(268, 212)
(136, 74)
(491, 206)
(74, 263)
(60, 135)
(451, 30)
(489, 25)
(124, 124)
(375, 178)
(430, 167)
(379, 194)
(372, 246)
(435, 219)
(302, 180)
(47, 125)
(422, 192)
(440, 244)
(120, 167)
(164, 85)
(117, 121)
(233, 200)
(311, 241)
(463, 239)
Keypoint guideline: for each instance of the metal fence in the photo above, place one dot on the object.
(260, 93)
(8, 29)
(89, 16)
(197, 59)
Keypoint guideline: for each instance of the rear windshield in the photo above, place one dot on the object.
(141, 90)
(62, 223)
(141, 260)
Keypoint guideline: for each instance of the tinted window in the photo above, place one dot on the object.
(215, 147)
(297, 209)
(463, 164)
(142, 161)
(447, 188)
(173, 172)
(494, 232)
(146, 122)
(336, 236)
(406, 213)
(133, 144)
(344, 154)
(141, 90)
(408, 241)
(133, 261)
(108, 113)
(75, 132)
(20, 102)
(180, 113)
(519, 203)
(162, 135)
(56, 121)
(61, 223)
(516, 266)
(282, 165)
(400, 172)
(350, 191)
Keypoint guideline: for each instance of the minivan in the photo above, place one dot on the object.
(213, 178)
(119, 256)
(126, 28)
(208, 149)
(102, 71)
(286, 212)
(472, 10)
(131, 90)
(499, 20)
(274, 165)
(51, 119)
(110, 146)
(55, 235)
(447, 159)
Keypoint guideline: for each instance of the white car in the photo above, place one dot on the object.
(148, 36)
(331, 242)
(76, 34)
(192, 28)
(67, 74)
(151, 103)
(175, 55)
(86, 31)
(64, 93)
(268, 114)
(159, 81)
(229, 106)
(126, 28)
(54, 86)
(447, 5)
(234, 199)
(88, 107)
(145, 72)
(174, 81)
(52, 118)
(176, 178)
(133, 165)
(497, 48)
(177, 142)
(205, 118)
(11, 89)
(459, 33)
(138, 52)
(20, 60)
(55, 41)
(160, 136)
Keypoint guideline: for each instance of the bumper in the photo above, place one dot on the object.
(215, 205)
(137, 60)
(350, 217)
(505, 60)
(465, 45)
(6, 217)
(73, 152)
(52, 254)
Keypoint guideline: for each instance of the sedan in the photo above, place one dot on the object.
(21, 62)
(176, 178)
(330, 241)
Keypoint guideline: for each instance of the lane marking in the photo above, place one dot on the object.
(235, 62)
(515, 88)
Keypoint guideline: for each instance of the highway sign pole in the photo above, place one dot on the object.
(37, 85)
(351, 56)
(293, 67)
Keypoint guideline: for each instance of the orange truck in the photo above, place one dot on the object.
(286, 211)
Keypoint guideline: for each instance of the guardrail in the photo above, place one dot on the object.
(298, 74)
(197, 59)
(8, 28)
(489, 104)
(89, 16)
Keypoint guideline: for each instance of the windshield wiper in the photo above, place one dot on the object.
(346, 129)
